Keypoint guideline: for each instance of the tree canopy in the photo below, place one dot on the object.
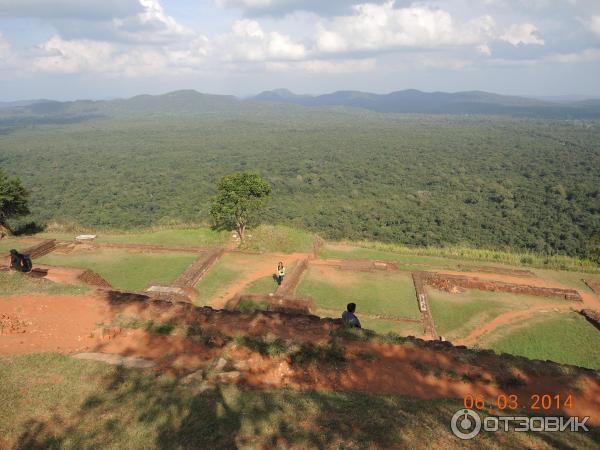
(485, 182)
(240, 197)
(13, 200)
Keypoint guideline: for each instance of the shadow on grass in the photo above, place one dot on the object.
(166, 414)
(131, 409)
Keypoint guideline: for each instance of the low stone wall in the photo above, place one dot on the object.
(363, 265)
(281, 323)
(280, 303)
(194, 273)
(450, 283)
(291, 281)
(93, 279)
(593, 285)
(41, 249)
(501, 270)
(593, 316)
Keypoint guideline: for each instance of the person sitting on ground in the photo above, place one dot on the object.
(15, 260)
(349, 318)
(280, 273)
(19, 262)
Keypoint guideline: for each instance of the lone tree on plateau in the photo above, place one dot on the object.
(13, 201)
(240, 196)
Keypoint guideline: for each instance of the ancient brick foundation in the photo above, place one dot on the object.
(450, 283)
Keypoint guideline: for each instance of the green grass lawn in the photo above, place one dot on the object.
(374, 293)
(54, 401)
(264, 238)
(20, 244)
(13, 283)
(195, 237)
(386, 326)
(456, 315)
(566, 338)
(222, 274)
(231, 269)
(278, 238)
(573, 280)
(126, 269)
(404, 261)
(459, 254)
(264, 285)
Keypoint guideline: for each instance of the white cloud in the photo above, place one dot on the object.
(585, 56)
(594, 24)
(150, 42)
(151, 25)
(136, 21)
(319, 66)
(249, 42)
(60, 56)
(522, 34)
(4, 49)
(381, 27)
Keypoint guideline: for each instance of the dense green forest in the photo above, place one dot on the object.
(424, 180)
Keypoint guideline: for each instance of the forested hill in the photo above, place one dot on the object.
(488, 182)
(284, 101)
(413, 101)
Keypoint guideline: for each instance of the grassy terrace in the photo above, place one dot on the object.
(84, 404)
(271, 238)
(390, 326)
(225, 274)
(448, 257)
(374, 293)
(264, 285)
(194, 237)
(456, 315)
(264, 238)
(567, 338)
(20, 244)
(13, 283)
(126, 269)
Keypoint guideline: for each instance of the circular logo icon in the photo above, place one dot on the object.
(465, 424)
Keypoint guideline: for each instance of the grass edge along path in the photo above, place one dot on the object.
(566, 338)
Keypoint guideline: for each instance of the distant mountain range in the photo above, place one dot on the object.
(413, 101)
(193, 102)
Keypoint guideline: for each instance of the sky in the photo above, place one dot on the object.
(98, 49)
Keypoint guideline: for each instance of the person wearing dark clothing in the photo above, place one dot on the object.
(349, 318)
(19, 262)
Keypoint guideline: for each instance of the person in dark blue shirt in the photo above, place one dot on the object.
(349, 318)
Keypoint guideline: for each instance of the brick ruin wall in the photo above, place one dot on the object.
(450, 283)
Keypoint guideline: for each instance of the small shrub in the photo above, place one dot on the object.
(509, 382)
(250, 306)
(272, 348)
(353, 334)
(319, 354)
(160, 327)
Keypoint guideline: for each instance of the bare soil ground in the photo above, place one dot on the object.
(51, 323)
(593, 285)
(69, 324)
